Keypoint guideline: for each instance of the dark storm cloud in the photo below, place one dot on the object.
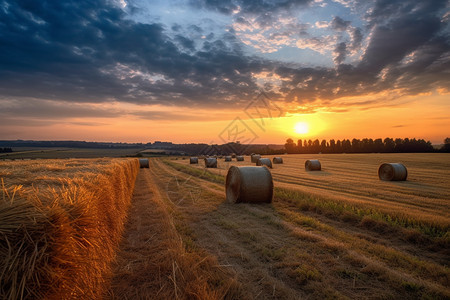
(398, 29)
(408, 52)
(89, 51)
(185, 42)
(176, 27)
(408, 49)
(385, 10)
(391, 42)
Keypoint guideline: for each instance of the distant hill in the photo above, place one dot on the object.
(70, 144)
(168, 147)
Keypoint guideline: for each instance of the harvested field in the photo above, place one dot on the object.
(65, 153)
(353, 180)
(157, 260)
(60, 225)
(338, 233)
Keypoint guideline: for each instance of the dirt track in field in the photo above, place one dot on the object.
(153, 262)
(270, 251)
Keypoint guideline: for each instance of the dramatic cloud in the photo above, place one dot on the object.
(357, 38)
(100, 52)
(339, 24)
(267, 34)
(249, 6)
(88, 52)
(319, 44)
(340, 53)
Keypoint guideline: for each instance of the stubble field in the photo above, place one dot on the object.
(338, 233)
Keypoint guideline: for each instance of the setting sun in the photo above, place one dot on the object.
(301, 128)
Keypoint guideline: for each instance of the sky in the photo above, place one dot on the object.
(215, 71)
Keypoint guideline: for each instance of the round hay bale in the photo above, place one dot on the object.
(143, 163)
(228, 158)
(211, 162)
(193, 160)
(255, 157)
(233, 155)
(313, 165)
(392, 172)
(277, 160)
(239, 158)
(249, 184)
(264, 162)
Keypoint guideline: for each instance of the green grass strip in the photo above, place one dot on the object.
(200, 173)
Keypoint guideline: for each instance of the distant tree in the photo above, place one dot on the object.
(332, 146)
(398, 145)
(289, 146)
(316, 146)
(366, 145)
(346, 146)
(446, 147)
(407, 145)
(389, 145)
(422, 146)
(323, 146)
(378, 146)
(299, 146)
(338, 146)
(356, 145)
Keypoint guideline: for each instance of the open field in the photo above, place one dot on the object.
(53, 153)
(352, 179)
(339, 233)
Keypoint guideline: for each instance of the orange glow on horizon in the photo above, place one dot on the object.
(424, 116)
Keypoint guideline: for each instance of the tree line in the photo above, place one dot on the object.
(366, 145)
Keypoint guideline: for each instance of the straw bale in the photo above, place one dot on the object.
(249, 184)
